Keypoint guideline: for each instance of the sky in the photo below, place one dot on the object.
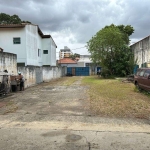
(72, 23)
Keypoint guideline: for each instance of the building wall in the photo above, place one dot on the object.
(65, 53)
(81, 64)
(53, 53)
(141, 51)
(50, 58)
(46, 45)
(69, 65)
(29, 73)
(33, 43)
(6, 42)
(30, 51)
(8, 61)
(47, 73)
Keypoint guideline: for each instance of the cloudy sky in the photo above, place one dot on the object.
(73, 22)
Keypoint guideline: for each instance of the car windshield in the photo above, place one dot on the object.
(147, 73)
(141, 73)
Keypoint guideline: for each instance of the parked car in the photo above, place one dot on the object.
(142, 79)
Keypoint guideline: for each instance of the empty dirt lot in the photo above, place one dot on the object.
(56, 115)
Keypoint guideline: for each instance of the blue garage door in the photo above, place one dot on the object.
(79, 71)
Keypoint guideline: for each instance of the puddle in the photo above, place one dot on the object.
(73, 138)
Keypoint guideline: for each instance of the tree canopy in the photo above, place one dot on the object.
(74, 56)
(14, 19)
(109, 48)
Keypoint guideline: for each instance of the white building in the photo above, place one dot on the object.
(29, 43)
(65, 53)
(84, 61)
(141, 50)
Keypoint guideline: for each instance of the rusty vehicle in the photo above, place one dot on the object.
(142, 79)
(4, 83)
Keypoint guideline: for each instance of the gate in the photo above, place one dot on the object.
(39, 75)
(78, 71)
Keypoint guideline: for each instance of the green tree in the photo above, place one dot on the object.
(74, 56)
(4, 18)
(109, 48)
(14, 19)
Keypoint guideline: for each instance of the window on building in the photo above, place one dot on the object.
(87, 64)
(45, 51)
(17, 40)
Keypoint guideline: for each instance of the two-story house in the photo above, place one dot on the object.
(32, 47)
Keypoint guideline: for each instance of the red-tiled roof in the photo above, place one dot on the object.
(66, 61)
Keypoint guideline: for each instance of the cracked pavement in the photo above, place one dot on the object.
(55, 116)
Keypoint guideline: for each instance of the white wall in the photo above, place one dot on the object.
(48, 73)
(141, 51)
(46, 45)
(29, 74)
(6, 42)
(81, 64)
(8, 62)
(33, 43)
(50, 58)
(53, 53)
(69, 65)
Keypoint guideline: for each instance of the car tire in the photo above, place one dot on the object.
(137, 86)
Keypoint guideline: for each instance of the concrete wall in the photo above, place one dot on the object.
(29, 74)
(141, 51)
(8, 61)
(35, 75)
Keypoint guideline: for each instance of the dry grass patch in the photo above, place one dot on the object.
(64, 81)
(69, 80)
(113, 98)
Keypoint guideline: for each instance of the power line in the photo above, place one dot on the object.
(75, 49)
(78, 48)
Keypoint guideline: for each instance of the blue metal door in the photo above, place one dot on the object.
(79, 71)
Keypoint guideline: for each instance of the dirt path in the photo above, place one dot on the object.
(56, 116)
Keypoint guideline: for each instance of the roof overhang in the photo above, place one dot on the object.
(12, 26)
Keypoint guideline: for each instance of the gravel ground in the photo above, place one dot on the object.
(54, 116)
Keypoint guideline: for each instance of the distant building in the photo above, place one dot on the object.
(32, 47)
(68, 62)
(65, 53)
(141, 50)
(84, 61)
